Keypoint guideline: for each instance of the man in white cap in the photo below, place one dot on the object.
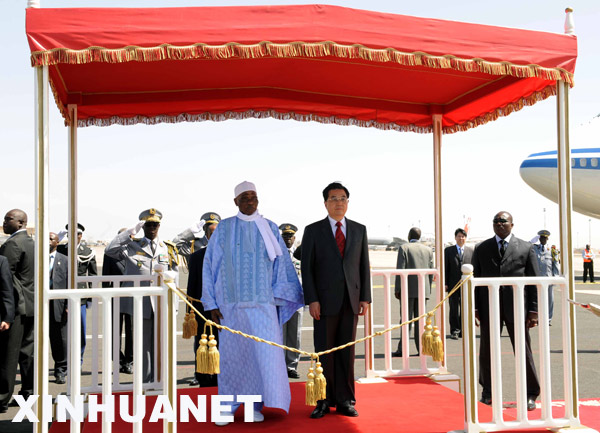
(249, 284)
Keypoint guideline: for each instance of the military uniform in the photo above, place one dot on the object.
(140, 256)
(86, 265)
(544, 257)
(292, 329)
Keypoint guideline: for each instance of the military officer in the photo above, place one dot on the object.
(193, 238)
(292, 329)
(86, 265)
(141, 256)
(544, 257)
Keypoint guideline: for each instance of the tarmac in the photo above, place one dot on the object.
(588, 347)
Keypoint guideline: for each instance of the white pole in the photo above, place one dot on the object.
(42, 254)
(74, 320)
(439, 241)
(106, 357)
(565, 208)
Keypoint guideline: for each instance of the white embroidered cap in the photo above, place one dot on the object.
(243, 187)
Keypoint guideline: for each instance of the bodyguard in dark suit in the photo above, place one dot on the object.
(505, 255)
(8, 300)
(454, 257)
(59, 270)
(19, 250)
(413, 255)
(337, 288)
(194, 289)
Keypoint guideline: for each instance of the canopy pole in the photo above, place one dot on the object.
(565, 204)
(74, 306)
(42, 254)
(439, 241)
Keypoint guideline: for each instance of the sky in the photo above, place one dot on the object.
(187, 169)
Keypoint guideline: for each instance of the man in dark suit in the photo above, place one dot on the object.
(8, 300)
(505, 255)
(413, 255)
(337, 288)
(86, 265)
(59, 270)
(454, 257)
(194, 289)
(19, 250)
(111, 266)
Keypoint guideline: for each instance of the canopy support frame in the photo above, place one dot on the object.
(439, 241)
(565, 203)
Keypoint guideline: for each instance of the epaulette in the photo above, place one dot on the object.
(137, 239)
(173, 253)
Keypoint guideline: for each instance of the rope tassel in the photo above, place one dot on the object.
(320, 384)
(310, 388)
(214, 357)
(427, 338)
(190, 325)
(437, 346)
(202, 355)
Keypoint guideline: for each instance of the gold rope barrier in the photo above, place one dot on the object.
(315, 388)
(314, 355)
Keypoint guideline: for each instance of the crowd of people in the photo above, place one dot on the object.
(246, 272)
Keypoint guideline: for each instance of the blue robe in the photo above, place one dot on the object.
(256, 296)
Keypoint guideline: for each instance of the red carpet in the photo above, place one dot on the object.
(403, 405)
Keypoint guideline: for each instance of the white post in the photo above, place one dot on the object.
(138, 354)
(42, 254)
(33, 4)
(469, 350)
(74, 306)
(565, 206)
(106, 357)
(439, 241)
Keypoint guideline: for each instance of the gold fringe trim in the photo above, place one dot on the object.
(263, 114)
(263, 49)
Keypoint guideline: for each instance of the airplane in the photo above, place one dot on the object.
(539, 171)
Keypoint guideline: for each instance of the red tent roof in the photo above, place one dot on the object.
(324, 63)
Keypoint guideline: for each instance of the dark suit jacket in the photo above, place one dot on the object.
(111, 266)
(325, 275)
(452, 264)
(19, 250)
(519, 261)
(414, 255)
(8, 294)
(59, 280)
(194, 285)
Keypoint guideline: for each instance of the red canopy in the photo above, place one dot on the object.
(324, 63)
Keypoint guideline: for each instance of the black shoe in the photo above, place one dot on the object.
(530, 403)
(397, 354)
(14, 403)
(127, 369)
(486, 400)
(60, 380)
(454, 335)
(346, 410)
(293, 374)
(3, 408)
(193, 382)
(321, 409)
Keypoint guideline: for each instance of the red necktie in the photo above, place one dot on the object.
(339, 238)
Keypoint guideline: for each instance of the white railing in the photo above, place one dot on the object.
(471, 365)
(164, 323)
(406, 370)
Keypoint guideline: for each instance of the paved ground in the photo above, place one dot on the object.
(588, 345)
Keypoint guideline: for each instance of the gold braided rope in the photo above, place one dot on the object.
(313, 355)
